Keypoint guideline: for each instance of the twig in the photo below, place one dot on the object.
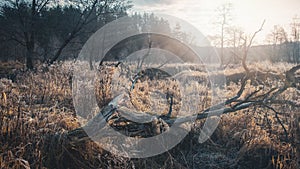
(278, 119)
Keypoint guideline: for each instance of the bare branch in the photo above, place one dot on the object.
(247, 47)
(279, 121)
(255, 33)
(74, 33)
(42, 5)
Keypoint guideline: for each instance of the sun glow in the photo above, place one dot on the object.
(246, 14)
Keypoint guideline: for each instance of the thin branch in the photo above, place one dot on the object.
(247, 47)
(255, 33)
(79, 26)
(41, 6)
(239, 93)
(278, 119)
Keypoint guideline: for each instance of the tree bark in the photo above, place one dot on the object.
(30, 38)
(29, 56)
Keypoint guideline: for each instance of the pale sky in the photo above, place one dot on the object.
(247, 14)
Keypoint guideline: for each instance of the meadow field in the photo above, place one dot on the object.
(39, 127)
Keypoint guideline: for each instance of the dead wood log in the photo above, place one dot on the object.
(233, 104)
(157, 124)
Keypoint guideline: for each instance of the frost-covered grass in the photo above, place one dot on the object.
(41, 103)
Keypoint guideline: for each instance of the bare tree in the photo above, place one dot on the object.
(224, 17)
(235, 41)
(247, 44)
(27, 16)
(295, 38)
(90, 11)
(268, 98)
(27, 24)
(276, 38)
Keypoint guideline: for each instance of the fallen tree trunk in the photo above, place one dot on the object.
(255, 98)
(155, 124)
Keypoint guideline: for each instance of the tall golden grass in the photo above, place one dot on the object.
(36, 112)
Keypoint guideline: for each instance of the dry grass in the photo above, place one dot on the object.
(37, 109)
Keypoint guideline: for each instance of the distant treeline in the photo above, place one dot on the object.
(46, 31)
(285, 52)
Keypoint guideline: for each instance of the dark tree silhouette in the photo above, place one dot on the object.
(48, 26)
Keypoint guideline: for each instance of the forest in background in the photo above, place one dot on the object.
(39, 127)
(45, 31)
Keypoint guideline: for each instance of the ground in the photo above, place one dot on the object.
(38, 120)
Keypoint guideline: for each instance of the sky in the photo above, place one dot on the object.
(246, 14)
